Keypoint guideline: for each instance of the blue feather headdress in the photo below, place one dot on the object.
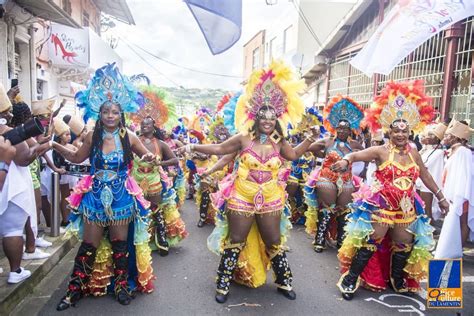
(229, 113)
(108, 85)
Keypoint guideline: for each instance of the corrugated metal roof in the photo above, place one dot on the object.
(48, 10)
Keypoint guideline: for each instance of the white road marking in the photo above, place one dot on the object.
(400, 308)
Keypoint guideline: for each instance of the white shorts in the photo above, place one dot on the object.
(12, 221)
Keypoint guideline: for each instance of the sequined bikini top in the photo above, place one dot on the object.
(397, 181)
(333, 155)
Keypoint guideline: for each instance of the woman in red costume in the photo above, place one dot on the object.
(389, 237)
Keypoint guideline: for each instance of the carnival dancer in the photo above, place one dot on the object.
(205, 184)
(459, 192)
(327, 190)
(302, 167)
(175, 172)
(432, 155)
(167, 227)
(388, 219)
(269, 103)
(109, 197)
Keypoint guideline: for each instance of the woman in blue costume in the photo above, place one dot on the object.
(109, 199)
(301, 168)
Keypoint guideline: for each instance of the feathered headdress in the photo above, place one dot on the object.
(201, 120)
(342, 109)
(217, 130)
(229, 113)
(222, 102)
(108, 85)
(157, 107)
(311, 118)
(274, 87)
(405, 101)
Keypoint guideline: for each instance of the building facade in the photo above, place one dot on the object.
(52, 46)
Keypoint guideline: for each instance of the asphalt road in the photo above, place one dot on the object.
(185, 286)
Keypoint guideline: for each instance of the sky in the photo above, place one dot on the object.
(168, 29)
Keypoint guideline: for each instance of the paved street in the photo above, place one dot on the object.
(185, 286)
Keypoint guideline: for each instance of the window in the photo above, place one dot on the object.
(287, 39)
(256, 58)
(85, 18)
(66, 4)
(272, 49)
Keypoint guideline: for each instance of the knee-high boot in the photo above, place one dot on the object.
(226, 269)
(400, 254)
(159, 233)
(341, 234)
(81, 272)
(203, 207)
(348, 283)
(324, 217)
(281, 268)
(120, 259)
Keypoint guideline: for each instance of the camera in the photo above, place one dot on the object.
(30, 128)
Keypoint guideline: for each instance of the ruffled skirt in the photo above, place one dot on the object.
(140, 269)
(376, 274)
(253, 261)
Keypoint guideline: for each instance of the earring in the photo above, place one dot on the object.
(275, 137)
(123, 132)
(252, 134)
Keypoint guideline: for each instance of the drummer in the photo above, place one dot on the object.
(66, 182)
(78, 129)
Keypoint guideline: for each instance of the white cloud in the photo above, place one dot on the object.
(167, 28)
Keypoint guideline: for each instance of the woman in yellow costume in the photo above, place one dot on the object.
(269, 103)
(389, 237)
(167, 227)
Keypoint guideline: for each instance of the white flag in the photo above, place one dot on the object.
(407, 26)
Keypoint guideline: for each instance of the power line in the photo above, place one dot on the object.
(153, 67)
(306, 22)
(183, 67)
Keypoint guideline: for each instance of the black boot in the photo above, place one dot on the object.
(160, 232)
(283, 275)
(348, 283)
(203, 208)
(397, 280)
(324, 217)
(226, 269)
(81, 272)
(341, 233)
(120, 259)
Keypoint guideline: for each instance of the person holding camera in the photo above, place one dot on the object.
(16, 196)
(21, 115)
(7, 153)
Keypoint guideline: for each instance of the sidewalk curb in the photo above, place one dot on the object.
(18, 292)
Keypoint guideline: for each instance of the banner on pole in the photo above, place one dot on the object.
(408, 25)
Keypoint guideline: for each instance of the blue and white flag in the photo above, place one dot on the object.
(220, 22)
